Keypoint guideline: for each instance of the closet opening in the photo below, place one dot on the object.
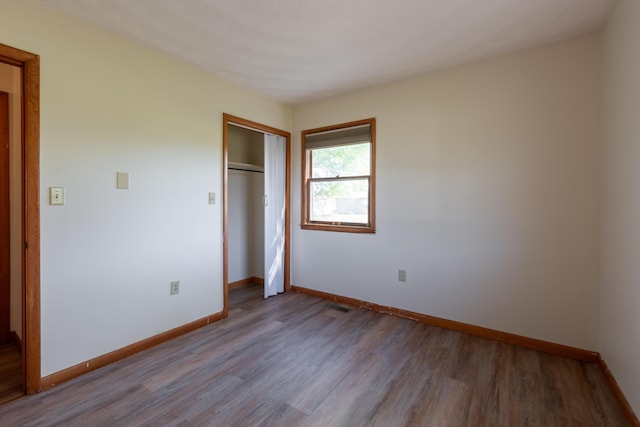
(256, 218)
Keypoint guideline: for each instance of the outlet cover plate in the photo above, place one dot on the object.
(402, 275)
(175, 287)
(122, 180)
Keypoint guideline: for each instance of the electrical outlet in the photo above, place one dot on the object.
(175, 287)
(402, 275)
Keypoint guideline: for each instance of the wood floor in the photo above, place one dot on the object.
(10, 373)
(294, 360)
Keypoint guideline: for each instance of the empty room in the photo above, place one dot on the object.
(314, 213)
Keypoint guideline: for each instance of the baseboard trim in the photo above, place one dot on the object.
(124, 352)
(245, 282)
(522, 341)
(629, 414)
(16, 340)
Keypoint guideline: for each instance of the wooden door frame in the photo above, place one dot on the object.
(228, 119)
(30, 66)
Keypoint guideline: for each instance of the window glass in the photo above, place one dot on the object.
(340, 201)
(341, 161)
(338, 170)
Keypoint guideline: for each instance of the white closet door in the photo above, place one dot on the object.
(274, 203)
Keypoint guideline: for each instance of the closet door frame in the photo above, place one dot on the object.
(228, 119)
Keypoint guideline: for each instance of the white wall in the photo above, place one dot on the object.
(10, 77)
(620, 288)
(245, 211)
(487, 194)
(108, 255)
(246, 225)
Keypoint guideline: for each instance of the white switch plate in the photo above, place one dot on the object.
(56, 195)
(212, 198)
(175, 287)
(122, 180)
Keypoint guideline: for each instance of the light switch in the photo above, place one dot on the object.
(56, 195)
(212, 198)
(122, 180)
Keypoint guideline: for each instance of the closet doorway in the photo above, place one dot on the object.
(256, 199)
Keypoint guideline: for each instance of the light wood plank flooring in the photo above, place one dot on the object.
(10, 373)
(293, 360)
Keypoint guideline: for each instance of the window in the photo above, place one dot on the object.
(338, 167)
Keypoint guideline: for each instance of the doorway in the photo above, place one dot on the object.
(5, 213)
(263, 215)
(27, 233)
(11, 381)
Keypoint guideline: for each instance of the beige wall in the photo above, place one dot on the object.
(620, 288)
(487, 195)
(10, 82)
(108, 256)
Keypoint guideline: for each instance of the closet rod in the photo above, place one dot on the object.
(244, 170)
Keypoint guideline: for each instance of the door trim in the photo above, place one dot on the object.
(226, 120)
(30, 65)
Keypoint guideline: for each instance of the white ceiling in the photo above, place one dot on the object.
(300, 50)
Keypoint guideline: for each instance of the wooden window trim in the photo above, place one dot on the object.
(306, 223)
